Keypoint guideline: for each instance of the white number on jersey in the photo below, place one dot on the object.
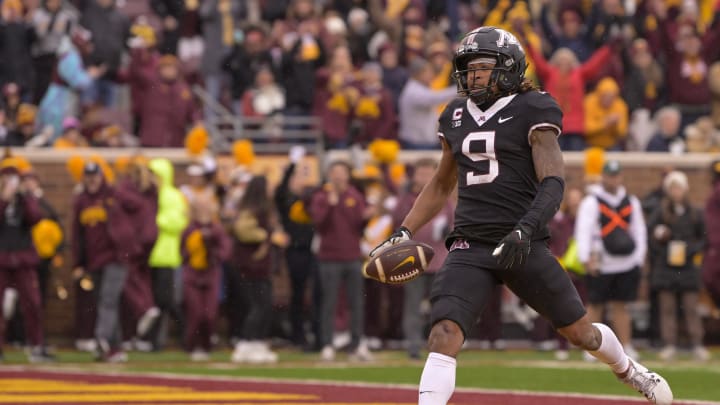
(488, 137)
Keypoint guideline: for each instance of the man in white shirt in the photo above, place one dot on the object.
(612, 241)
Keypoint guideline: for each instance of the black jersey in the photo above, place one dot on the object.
(496, 176)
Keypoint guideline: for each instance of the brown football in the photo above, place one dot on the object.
(399, 263)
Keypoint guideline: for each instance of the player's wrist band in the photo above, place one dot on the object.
(545, 205)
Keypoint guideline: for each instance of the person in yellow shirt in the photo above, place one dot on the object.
(71, 136)
(606, 116)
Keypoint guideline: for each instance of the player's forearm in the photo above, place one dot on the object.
(429, 203)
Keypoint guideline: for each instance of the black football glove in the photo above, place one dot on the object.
(400, 235)
(514, 248)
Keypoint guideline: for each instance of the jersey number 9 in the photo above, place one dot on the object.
(488, 138)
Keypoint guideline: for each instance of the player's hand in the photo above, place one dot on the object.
(400, 235)
(514, 248)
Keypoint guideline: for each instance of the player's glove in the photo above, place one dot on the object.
(400, 235)
(514, 248)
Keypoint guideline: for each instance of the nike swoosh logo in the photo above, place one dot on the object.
(410, 259)
(519, 234)
(425, 392)
(501, 119)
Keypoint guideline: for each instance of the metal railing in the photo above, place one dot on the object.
(274, 134)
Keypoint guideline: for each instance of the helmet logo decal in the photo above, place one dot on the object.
(506, 39)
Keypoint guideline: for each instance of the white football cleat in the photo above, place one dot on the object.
(648, 383)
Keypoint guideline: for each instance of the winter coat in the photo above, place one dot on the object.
(16, 221)
(251, 246)
(597, 133)
(569, 90)
(293, 213)
(102, 227)
(110, 30)
(167, 110)
(688, 227)
(172, 217)
(215, 29)
(340, 226)
(142, 70)
(16, 39)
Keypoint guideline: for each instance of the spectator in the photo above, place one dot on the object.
(53, 20)
(711, 261)
(248, 56)
(24, 127)
(290, 196)
(200, 183)
(175, 15)
(168, 108)
(16, 39)
(265, 97)
(253, 230)
(11, 102)
(394, 75)
(302, 56)
(374, 114)
(138, 304)
(110, 30)
(419, 289)
(417, 108)
(678, 234)
(336, 97)
(143, 67)
(58, 102)
(18, 258)
(572, 34)
(688, 56)
(564, 78)
(360, 31)
(205, 246)
(71, 136)
(219, 21)
(103, 241)
(644, 84)
(611, 242)
(516, 20)
(338, 212)
(606, 116)
(165, 258)
(668, 137)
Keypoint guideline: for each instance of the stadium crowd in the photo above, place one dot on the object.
(148, 258)
(632, 75)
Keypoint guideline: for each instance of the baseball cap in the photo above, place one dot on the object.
(91, 168)
(612, 167)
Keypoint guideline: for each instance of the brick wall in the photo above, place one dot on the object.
(641, 173)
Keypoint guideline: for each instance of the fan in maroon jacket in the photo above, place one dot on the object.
(139, 312)
(19, 211)
(205, 246)
(104, 242)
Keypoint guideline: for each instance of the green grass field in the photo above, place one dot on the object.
(514, 370)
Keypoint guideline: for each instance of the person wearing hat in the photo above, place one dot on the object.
(19, 212)
(611, 243)
(677, 234)
(103, 242)
(168, 108)
(711, 262)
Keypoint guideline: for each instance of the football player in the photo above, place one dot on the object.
(500, 148)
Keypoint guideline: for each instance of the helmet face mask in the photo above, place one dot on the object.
(507, 74)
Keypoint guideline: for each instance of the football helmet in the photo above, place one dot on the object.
(510, 65)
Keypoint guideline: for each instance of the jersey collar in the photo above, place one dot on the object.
(480, 116)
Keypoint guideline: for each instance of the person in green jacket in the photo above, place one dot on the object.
(172, 219)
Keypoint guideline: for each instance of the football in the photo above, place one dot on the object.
(399, 263)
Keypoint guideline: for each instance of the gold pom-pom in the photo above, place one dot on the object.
(47, 236)
(197, 140)
(338, 103)
(299, 214)
(384, 150)
(23, 165)
(369, 172)
(122, 164)
(594, 160)
(367, 107)
(397, 173)
(243, 152)
(75, 166)
(108, 172)
(26, 114)
(195, 246)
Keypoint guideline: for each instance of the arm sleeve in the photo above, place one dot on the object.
(586, 217)
(427, 97)
(71, 69)
(545, 204)
(597, 61)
